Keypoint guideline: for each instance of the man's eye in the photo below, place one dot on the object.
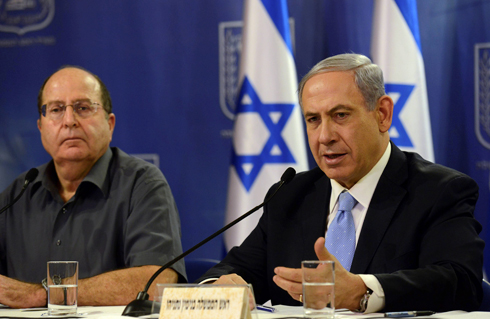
(83, 107)
(341, 115)
(55, 109)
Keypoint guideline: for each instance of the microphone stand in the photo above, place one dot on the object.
(30, 176)
(141, 306)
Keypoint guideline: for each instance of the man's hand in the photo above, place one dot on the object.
(231, 279)
(118, 287)
(234, 279)
(18, 294)
(349, 288)
(291, 280)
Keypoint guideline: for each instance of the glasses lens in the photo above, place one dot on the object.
(84, 109)
(55, 111)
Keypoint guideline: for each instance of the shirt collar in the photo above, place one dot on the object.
(97, 175)
(363, 190)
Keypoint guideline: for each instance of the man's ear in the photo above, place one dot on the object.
(111, 120)
(384, 109)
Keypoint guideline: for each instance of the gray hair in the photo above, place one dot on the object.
(368, 76)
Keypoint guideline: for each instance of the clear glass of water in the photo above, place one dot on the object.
(318, 288)
(62, 287)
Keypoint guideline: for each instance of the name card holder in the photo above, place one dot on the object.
(186, 301)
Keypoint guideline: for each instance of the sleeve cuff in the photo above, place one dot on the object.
(377, 299)
(208, 281)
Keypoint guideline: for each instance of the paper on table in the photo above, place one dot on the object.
(281, 312)
(83, 312)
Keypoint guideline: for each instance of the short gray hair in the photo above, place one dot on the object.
(368, 76)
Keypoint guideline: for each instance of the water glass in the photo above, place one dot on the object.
(62, 287)
(318, 288)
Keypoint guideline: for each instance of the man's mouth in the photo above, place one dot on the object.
(69, 139)
(333, 159)
(333, 156)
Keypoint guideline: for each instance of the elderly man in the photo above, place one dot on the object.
(414, 240)
(113, 213)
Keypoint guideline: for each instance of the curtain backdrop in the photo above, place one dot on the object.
(172, 70)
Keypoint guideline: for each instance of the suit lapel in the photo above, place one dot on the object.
(386, 199)
(315, 211)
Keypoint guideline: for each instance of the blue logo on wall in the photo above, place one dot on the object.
(482, 93)
(398, 134)
(230, 50)
(22, 16)
(274, 149)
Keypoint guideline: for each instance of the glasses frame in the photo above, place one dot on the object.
(96, 105)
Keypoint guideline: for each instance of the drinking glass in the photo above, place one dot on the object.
(318, 288)
(62, 287)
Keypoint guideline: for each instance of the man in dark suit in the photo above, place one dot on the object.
(417, 244)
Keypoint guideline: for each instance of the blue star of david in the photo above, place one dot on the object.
(275, 138)
(402, 140)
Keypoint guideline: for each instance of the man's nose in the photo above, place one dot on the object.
(328, 133)
(69, 118)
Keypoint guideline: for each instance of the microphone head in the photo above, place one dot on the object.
(31, 175)
(288, 175)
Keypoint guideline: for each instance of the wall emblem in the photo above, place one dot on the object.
(482, 93)
(230, 48)
(22, 16)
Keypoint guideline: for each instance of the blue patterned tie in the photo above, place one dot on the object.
(341, 235)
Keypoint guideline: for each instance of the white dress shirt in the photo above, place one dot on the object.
(363, 192)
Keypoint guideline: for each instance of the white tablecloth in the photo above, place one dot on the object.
(281, 311)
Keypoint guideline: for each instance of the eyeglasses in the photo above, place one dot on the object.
(83, 109)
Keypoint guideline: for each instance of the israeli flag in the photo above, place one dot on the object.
(268, 134)
(395, 47)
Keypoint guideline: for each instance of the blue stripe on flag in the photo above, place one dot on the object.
(278, 11)
(408, 8)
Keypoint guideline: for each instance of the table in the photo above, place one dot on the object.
(281, 312)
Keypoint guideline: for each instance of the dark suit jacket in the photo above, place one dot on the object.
(419, 237)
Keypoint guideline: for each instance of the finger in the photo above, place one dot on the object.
(321, 251)
(251, 300)
(291, 274)
(291, 280)
(323, 254)
(232, 279)
(297, 297)
(292, 287)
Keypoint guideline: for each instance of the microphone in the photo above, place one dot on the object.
(30, 176)
(141, 306)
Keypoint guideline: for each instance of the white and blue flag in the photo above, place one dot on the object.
(268, 134)
(395, 47)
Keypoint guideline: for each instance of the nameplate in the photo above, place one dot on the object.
(205, 302)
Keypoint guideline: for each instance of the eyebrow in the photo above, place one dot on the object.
(64, 103)
(340, 107)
